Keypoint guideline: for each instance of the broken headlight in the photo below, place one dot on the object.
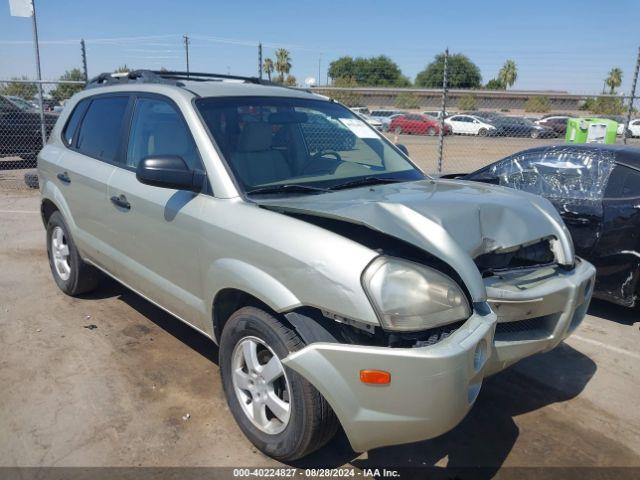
(410, 297)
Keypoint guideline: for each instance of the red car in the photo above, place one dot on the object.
(414, 123)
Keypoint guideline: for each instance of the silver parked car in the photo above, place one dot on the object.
(342, 285)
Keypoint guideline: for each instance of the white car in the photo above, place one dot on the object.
(436, 114)
(634, 128)
(384, 117)
(469, 125)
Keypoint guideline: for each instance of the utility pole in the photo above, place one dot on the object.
(186, 50)
(260, 60)
(43, 132)
(633, 95)
(84, 60)
(442, 110)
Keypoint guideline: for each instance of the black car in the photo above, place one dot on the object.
(20, 129)
(596, 190)
(518, 127)
(558, 123)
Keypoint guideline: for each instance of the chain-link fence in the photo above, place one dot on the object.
(445, 130)
(22, 126)
(481, 126)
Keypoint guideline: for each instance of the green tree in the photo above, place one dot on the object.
(122, 69)
(462, 73)
(537, 104)
(267, 67)
(283, 63)
(508, 74)
(407, 100)
(614, 79)
(19, 89)
(467, 102)
(604, 106)
(65, 90)
(495, 84)
(378, 71)
(347, 96)
(290, 81)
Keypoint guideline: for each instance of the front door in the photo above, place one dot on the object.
(159, 227)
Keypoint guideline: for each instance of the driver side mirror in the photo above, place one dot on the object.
(403, 148)
(169, 171)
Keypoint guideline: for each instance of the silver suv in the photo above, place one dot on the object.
(342, 284)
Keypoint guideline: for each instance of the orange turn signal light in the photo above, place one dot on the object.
(375, 377)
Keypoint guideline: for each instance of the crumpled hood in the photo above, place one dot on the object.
(453, 220)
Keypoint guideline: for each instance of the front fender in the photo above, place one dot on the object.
(233, 273)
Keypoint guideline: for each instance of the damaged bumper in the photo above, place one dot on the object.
(536, 310)
(432, 388)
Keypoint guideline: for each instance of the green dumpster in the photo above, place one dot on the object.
(591, 130)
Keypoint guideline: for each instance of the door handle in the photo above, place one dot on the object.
(64, 177)
(121, 201)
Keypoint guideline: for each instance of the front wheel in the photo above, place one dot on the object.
(431, 131)
(535, 133)
(483, 132)
(278, 410)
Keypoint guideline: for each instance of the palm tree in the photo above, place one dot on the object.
(508, 74)
(267, 67)
(614, 80)
(283, 63)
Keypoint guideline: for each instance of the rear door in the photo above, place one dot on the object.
(617, 253)
(456, 125)
(158, 231)
(93, 135)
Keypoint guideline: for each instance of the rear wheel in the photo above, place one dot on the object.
(398, 131)
(72, 275)
(278, 410)
(431, 131)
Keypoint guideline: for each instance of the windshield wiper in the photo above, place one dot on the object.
(366, 181)
(287, 188)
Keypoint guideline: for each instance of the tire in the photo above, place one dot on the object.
(483, 132)
(535, 134)
(629, 133)
(310, 424)
(398, 131)
(77, 277)
(431, 131)
(31, 180)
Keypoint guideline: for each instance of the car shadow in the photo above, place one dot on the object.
(484, 439)
(198, 342)
(613, 312)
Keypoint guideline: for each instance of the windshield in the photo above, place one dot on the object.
(20, 103)
(270, 141)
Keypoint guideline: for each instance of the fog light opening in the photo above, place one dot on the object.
(480, 355)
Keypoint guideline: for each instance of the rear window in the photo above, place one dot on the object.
(99, 135)
(73, 122)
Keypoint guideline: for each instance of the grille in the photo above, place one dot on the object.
(529, 329)
(535, 255)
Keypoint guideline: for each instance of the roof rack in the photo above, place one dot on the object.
(165, 77)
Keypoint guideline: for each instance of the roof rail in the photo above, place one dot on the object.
(165, 77)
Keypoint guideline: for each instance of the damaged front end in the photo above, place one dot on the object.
(512, 259)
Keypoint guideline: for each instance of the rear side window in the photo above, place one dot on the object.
(624, 182)
(73, 122)
(99, 135)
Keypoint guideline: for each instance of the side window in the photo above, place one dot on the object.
(7, 106)
(99, 135)
(623, 182)
(157, 128)
(74, 120)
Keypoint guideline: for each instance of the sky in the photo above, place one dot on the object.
(557, 45)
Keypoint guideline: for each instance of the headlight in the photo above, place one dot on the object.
(409, 297)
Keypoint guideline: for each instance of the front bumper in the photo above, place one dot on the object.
(432, 388)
